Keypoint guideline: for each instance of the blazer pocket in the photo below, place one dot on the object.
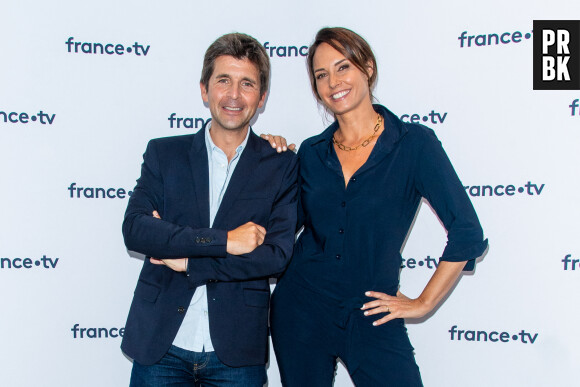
(257, 297)
(147, 291)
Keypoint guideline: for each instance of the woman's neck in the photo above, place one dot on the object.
(356, 125)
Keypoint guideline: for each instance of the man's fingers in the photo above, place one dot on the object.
(156, 215)
(156, 261)
(261, 229)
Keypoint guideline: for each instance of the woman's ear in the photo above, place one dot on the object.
(370, 70)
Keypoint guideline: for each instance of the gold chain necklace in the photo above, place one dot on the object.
(366, 142)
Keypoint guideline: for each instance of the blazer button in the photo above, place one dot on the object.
(197, 240)
(181, 309)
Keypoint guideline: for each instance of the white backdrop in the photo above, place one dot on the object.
(94, 114)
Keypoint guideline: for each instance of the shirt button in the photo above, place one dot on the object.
(338, 256)
(341, 231)
(343, 204)
(353, 179)
(181, 309)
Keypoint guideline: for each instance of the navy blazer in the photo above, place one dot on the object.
(175, 182)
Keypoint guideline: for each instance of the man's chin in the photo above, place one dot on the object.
(232, 126)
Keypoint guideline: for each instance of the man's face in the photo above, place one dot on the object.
(233, 93)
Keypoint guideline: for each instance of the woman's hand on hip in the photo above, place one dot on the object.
(399, 306)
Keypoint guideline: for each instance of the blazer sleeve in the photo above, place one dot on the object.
(155, 237)
(268, 259)
(437, 182)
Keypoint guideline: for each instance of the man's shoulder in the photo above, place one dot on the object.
(266, 151)
(173, 140)
(172, 144)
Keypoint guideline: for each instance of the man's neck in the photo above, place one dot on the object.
(228, 140)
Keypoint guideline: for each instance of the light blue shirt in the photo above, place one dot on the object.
(193, 335)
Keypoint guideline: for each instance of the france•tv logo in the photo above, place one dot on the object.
(556, 54)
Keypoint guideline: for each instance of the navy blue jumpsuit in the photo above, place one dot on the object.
(351, 243)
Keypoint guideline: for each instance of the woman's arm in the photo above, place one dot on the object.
(401, 306)
(437, 181)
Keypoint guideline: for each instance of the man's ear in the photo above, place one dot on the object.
(262, 100)
(203, 92)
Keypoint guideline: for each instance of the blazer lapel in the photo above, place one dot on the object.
(200, 176)
(242, 174)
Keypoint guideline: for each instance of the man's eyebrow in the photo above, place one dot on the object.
(249, 80)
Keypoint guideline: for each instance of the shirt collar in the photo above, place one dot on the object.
(211, 146)
(394, 131)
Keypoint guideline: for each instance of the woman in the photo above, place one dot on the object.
(361, 182)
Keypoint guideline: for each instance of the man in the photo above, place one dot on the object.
(225, 200)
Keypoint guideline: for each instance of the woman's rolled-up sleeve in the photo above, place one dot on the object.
(437, 182)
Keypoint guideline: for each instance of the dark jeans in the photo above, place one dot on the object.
(180, 367)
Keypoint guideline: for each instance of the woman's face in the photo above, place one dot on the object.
(342, 87)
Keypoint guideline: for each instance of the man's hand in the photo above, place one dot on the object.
(245, 238)
(179, 264)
